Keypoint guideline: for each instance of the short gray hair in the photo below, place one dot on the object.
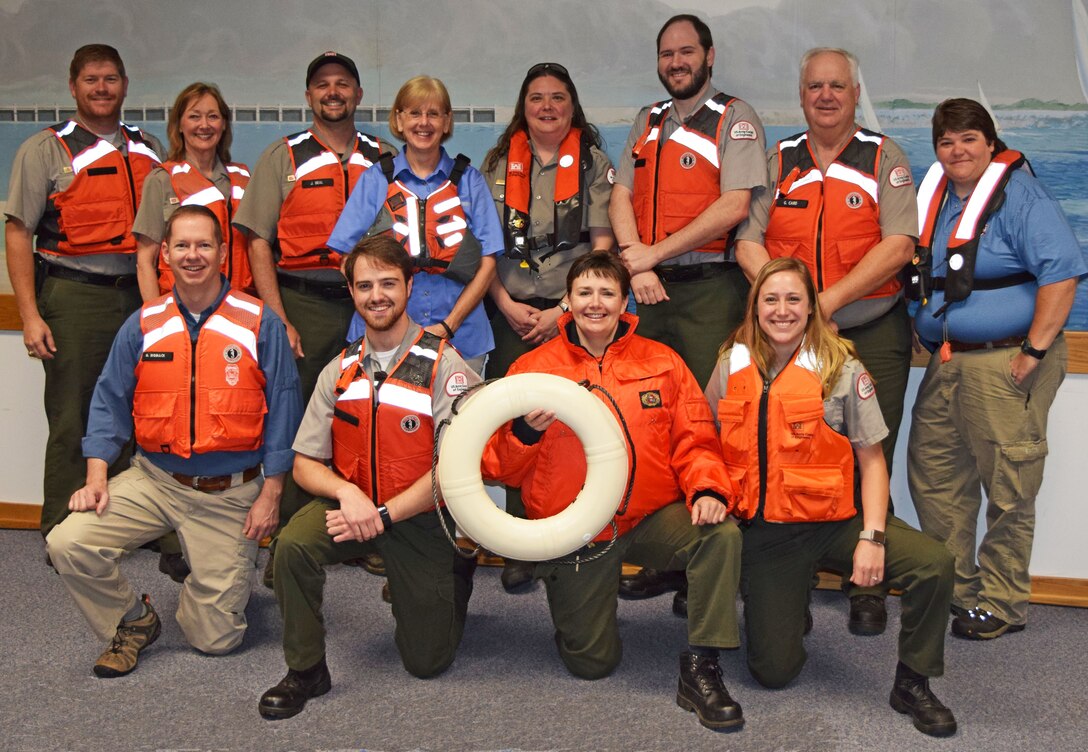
(807, 58)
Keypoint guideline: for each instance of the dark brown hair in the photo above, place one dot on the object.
(959, 115)
(600, 264)
(380, 250)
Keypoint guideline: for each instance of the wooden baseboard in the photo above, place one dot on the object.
(20, 516)
(1047, 591)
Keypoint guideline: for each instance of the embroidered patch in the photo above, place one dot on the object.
(611, 175)
(410, 423)
(799, 431)
(650, 399)
(231, 374)
(865, 386)
(742, 130)
(687, 160)
(516, 168)
(456, 384)
(900, 176)
(232, 353)
(853, 200)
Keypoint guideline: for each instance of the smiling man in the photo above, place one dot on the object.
(842, 201)
(71, 255)
(203, 378)
(364, 451)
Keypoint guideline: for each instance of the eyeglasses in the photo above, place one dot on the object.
(417, 115)
(541, 68)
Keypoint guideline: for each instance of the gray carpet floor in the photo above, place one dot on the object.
(507, 690)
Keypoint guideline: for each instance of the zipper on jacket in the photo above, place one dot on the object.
(192, 391)
(374, 444)
(131, 185)
(230, 239)
(761, 440)
(818, 251)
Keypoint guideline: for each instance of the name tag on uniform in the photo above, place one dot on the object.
(157, 356)
(791, 203)
(317, 183)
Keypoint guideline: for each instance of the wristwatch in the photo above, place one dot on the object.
(563, 306)
(1027, 349)
(387, 521)
(875, 536)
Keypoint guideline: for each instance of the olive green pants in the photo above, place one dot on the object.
(776, 576)
(429, 583)
(583, 598)
(973, 430)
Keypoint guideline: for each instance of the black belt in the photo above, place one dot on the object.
(693, 272)
(211, 483)
(313, 288)
(991, 345)
(541, 304)
(546, 241)
(120, 281)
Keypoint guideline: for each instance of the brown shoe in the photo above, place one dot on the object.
(132, 636)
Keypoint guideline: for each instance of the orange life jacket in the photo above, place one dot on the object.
(191, 187)
(207, 398)
(433, 229)
(572, 162)
(96, 212)
(322, 186)
(828, 221)
(677, 179)
(396, 428)
(804, 471)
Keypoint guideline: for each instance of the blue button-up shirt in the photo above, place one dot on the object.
(109, 425)
(433, 296)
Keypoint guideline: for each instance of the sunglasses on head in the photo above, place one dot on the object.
(545, 67)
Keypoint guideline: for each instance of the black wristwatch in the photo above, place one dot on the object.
(387, 521)
(1027, 349)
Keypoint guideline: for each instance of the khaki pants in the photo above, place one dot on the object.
(582, 599)
(146, 502)
(974, 429)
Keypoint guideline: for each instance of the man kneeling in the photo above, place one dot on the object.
(364, 449)
(204, 379)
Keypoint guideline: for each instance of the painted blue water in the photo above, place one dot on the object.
(1057, 147)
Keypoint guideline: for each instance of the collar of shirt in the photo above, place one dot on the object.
(192, 322)
(370, 363)
(428, 184)
(674, 116)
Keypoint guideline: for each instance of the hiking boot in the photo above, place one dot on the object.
(517, 576)
(648, 583)
(700, 690)
(868, 615)
(912, 696)
(174, 567)
(980, 624)
(133, 636)
(289, 697)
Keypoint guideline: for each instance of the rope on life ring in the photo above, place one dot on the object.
(462, 484)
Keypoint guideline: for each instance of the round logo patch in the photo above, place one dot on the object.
(853, 200)
(232, 353)
(566, 160)
(611, 175)
(687, 160)
(410, 423)
(900, 176)
(865, 386)
(742, 130)
(456, 384)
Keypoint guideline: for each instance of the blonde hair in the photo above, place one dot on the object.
(419, 91)
(830, 350)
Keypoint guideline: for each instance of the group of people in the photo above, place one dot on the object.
(281, 345)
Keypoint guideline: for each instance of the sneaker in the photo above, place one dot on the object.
(980, 624)
(700, 690)
(174, 567)
(133, 636)
(912, 696)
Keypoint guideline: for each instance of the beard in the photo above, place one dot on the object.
(698, 81)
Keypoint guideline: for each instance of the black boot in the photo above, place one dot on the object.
(517, 576)
(648, 583)
(868, 615)
(911, 695)
(701, 691)
(174, 567)
(289, 697)
(680, 602)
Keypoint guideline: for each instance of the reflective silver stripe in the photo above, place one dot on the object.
(173, 325)
(399, 396)
(68, 128)
(203, 197)
(926, 191)
(850, 175)
(237, 192)
(156, 309)
(739, 359)
(346, 361)
(358, 159)
(299, 138)
(180, 168)
(238, 170)
(245, 305)
(91, 155)
(410, 230)
(980, 198)
(705, 147)
(323, 159)
(790, 144)
(241, 335)
(812, 176)
(424, 352)
(357, 390)
(139, 148)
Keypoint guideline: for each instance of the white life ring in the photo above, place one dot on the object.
(463, 446)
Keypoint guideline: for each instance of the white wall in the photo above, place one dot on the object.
(1060, 550)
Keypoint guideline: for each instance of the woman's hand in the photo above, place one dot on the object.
(540, 419)
(868, 564)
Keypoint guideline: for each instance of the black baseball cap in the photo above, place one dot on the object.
(332, 57)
